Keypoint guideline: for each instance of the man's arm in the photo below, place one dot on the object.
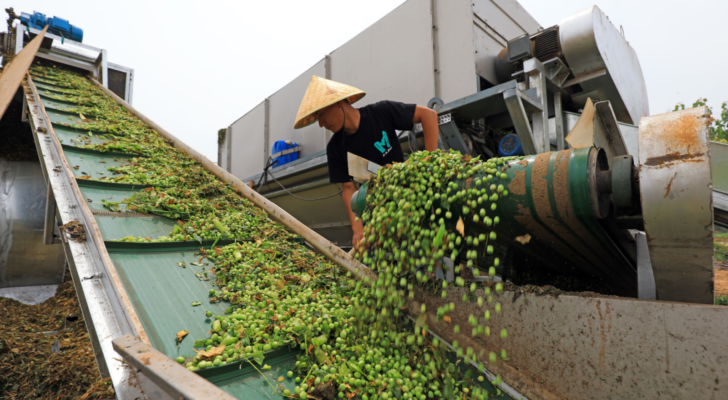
(348, 189)
(430, 128)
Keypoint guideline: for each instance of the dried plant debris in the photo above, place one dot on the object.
(29, 369)
(75, 231)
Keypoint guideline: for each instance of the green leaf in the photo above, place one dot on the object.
(258, 357)
(343, 370)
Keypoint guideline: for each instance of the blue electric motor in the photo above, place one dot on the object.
(56, 26)
(510, 146)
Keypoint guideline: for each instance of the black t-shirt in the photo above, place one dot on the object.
(375, 140)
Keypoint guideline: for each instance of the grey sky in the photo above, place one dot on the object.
(201, 65)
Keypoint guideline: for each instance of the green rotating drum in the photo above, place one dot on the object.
(551, 222)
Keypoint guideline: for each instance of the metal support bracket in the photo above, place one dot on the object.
(520, 120)
(50, 217)
(559, 122)
(537, 79)
(102, 70)
(646, 289)
(451, 135)
(556, 71)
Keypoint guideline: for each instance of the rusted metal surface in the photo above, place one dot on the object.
(14, 72)
(677, 203)
(573, 347)
(173, 378)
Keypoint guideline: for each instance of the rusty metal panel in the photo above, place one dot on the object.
(677, 203)
(596, 348)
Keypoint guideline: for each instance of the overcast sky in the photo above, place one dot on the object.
(199, 68)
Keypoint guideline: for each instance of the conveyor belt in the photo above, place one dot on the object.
(159, 288)
(158, 281)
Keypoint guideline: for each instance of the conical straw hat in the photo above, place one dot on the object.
(320, 94)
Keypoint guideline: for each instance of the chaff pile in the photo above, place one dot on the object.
(29, 369)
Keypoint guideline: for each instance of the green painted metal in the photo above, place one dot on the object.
(64, 117)
(359, 200)
(93, 163)
(58, 105)
(116, 226)
(162, 293)
(75, 137)
(243, 381)
(94, 194)
(49, 82)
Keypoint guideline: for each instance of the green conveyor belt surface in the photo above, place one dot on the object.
(160, 278)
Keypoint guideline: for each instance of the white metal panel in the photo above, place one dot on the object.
(487, 47)
(392, 59)
(454, 51)
(508, 17)
(222, 152)
(283, 108)
(247, 143)
(494, 24)
(590, 43)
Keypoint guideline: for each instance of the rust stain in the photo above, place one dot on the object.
(671, 158)
(145, 359)
(669, 185)
(523, 163)
(518, 184)
(539, 184)
(603, 337)
(681, 133)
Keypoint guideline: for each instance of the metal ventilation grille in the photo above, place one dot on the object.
(546, 44)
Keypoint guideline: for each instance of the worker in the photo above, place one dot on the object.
(368, 132)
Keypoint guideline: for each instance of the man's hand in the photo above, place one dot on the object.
(358, 234)
(357, 227)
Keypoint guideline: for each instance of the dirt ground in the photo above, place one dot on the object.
(721, 279)
(30, 369)
(721, 266)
